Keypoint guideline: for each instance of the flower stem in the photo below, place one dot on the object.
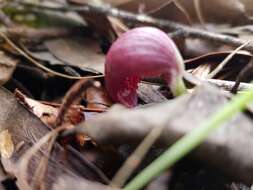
(190, 141)
(177, 87)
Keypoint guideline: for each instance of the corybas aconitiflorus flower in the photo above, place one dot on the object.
(142, 53)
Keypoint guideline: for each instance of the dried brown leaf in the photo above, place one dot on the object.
(47, 111)
(84, 53)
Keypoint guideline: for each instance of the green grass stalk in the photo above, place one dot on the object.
(190, 141)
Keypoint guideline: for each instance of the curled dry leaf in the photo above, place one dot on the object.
(6, 144)
(47, 111)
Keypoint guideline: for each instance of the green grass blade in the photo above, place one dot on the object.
(190, 141)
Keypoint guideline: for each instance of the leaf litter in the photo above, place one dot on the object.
(91, 141)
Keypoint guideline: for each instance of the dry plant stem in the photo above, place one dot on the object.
(73, 94)
(187, 31)
(226, 60)
(21, 52)
(136, 157)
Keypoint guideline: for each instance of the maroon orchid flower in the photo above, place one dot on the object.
(141, 53)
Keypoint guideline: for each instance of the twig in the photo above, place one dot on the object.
(228, 85)
(186, 30)
(244, 73)
(226, 60)
(224, 84)
(73, 94)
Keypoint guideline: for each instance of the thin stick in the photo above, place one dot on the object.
(226, 60)
(228, 85)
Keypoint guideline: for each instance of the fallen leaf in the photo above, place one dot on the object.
(48, 111)
(84, 53)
